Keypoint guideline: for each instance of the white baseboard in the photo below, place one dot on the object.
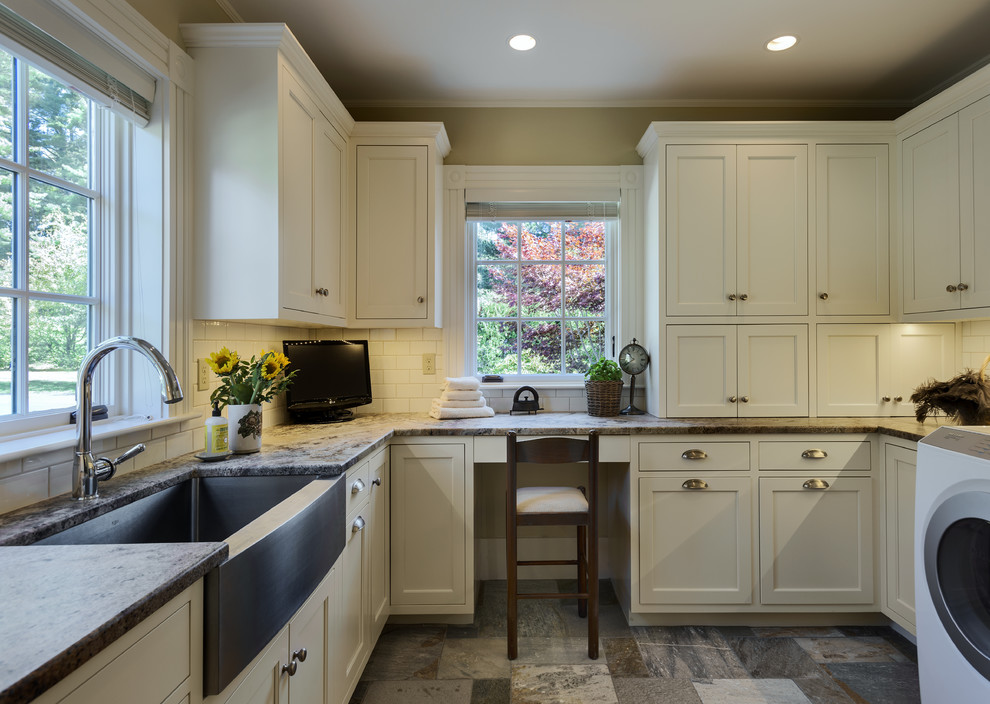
(489, 558)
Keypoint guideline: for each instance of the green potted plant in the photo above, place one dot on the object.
(603, 387)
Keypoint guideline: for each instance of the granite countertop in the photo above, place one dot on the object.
(62, 605)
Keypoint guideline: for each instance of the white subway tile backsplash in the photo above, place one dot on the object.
(183, 443)
(23, 489)
(409, 334)
(398, 348)
(395, 405)
(60, 479)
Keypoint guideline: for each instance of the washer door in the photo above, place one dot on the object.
(957, 569)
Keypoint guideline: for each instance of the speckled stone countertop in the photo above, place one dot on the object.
(44, 634)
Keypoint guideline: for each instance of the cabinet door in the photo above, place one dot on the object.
(701, 229)
(353, 638)
(701, 371)
(266, 683)
(429, 525)
(329, 257)
(816, 545)
(900, 465)
(379, 510)
(853, 370)
(307, 644)
(695, 545)
(772, 230)
(853, 229)
(919, 352)
(930, 217)
(974, 185)
(392, 232)
(773, 370)
(299, 124)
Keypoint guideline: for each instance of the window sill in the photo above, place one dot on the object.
(535, 384)
(14, 447)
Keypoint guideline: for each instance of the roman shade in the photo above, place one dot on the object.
(541, 211)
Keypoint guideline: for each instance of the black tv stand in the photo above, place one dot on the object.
(322, 415)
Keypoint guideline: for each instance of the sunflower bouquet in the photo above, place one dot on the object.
(246, 382)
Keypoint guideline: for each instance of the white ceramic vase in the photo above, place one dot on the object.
(244, 428)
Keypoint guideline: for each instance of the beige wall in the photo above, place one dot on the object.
(167, 15)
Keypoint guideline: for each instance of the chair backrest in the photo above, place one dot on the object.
(553, 450)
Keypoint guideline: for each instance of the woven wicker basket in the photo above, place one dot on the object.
(604, 397)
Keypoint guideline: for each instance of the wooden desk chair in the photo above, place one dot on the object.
(554, 506)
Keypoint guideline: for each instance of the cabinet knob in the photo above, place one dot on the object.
(898, 399)
(815, 484)
(823, 296)
(357, 487)
(951, 289)
(731, 296)
(744, 399)
(300, 655)
(420, 299)
(814, 454)
(743, 296)
(731, 399)
(695, 484)
(694, 455)
(358, 525)
(291, 667)
(322, 292)
(963, 287)
(377, 481)
(885, 399)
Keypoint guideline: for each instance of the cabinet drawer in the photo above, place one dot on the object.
(358, 486)
(814, 455)
(691, 456)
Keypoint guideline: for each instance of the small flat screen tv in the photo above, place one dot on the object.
(334, 376)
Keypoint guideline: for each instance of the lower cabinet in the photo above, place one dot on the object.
(432, 527)
(379, 525)
(900, 469)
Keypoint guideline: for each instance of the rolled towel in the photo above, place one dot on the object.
(460, 396)
(479, 403)
(462, 383)
(441, 413)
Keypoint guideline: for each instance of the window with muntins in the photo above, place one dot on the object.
(49, 139)
(541, 294)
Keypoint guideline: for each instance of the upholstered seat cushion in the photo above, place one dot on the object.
(550, 499)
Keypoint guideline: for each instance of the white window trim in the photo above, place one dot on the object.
(156, 204)
(540, 183)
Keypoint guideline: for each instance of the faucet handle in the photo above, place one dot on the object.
(106, 468)
(134, 451)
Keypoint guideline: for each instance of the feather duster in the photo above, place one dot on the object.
(965, 398)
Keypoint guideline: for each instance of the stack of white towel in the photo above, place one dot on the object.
(461, 398)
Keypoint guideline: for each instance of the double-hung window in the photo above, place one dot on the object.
(49, 135)
(543, 290)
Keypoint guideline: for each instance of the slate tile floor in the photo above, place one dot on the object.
(639, 665)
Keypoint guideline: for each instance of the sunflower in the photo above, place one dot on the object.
(223, 362)
(272, 364)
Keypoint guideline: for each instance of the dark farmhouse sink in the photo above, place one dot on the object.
(284, 533)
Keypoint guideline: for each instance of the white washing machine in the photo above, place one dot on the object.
(952, 565)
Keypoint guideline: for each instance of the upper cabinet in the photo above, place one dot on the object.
(397, 223)
(271, 173)
(737, 229)
(853, 231)
(945, 213)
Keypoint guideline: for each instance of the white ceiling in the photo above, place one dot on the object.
(634, 52)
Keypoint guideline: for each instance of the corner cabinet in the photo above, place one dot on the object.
(397, 181)
(271, 178)
(900, 472)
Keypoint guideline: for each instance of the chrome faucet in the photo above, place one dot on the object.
(87, 470)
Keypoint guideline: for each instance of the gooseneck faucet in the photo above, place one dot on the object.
(87, 470)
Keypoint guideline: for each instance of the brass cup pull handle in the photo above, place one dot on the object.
(816, 484)
(291, 667)
(357, 487)
(695, 484)
(358, 525)
(300, 655)
(814, 454)
(694, 455)
(823, 296)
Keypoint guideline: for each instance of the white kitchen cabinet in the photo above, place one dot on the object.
(872, 370)
(853, 231)
(737, 230)
(398, 223)
(900, 469)
(946, 217)
(747, 371)
(263, 682)
(353, 641)
(432, 531)
(816, 540)
(379, 527)
(694, 538)
(271, 176)
(159, 660)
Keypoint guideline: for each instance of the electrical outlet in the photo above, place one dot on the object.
(202, 375)
(429, 362)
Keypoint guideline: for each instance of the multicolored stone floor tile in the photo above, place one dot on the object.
(637, 665)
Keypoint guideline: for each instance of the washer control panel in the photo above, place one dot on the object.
(968, 440)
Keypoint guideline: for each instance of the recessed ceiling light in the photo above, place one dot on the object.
(781, 43)
(522, 42)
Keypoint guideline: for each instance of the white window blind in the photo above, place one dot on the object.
(532, 211)
(105, 74)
